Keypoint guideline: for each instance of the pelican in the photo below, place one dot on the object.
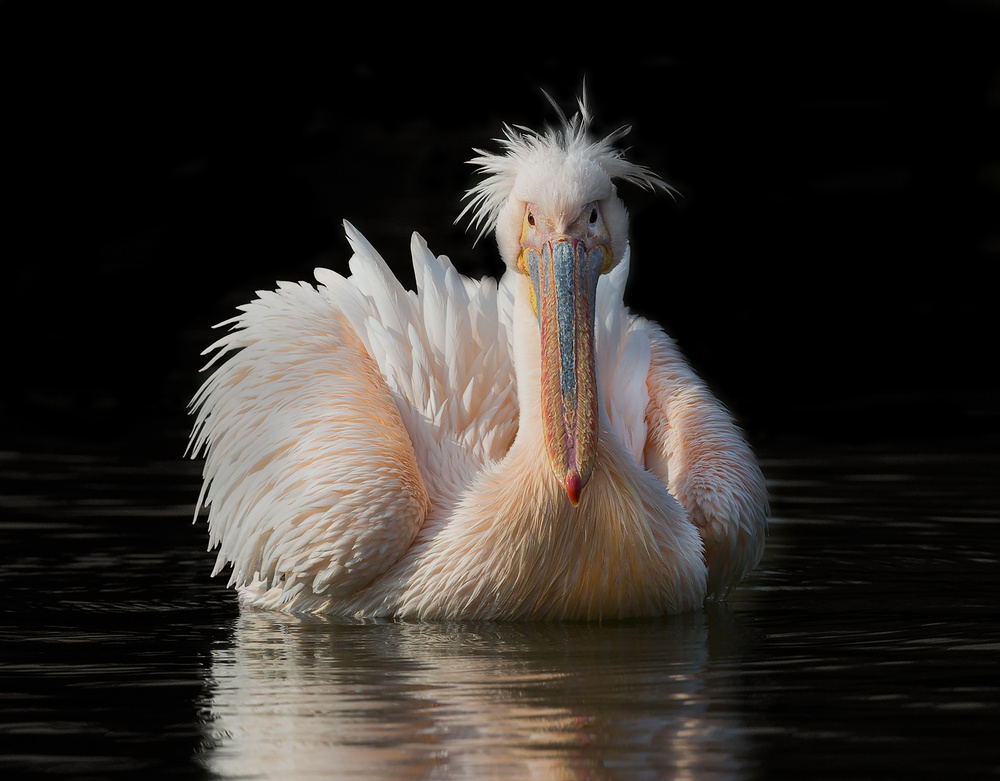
(526, 449)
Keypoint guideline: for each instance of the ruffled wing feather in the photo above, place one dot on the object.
(333, 411)
(695, 447)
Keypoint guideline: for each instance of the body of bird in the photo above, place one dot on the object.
(527, 449)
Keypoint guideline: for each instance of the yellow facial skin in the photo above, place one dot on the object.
(564, 258)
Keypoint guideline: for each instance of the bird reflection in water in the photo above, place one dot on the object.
(299, 697)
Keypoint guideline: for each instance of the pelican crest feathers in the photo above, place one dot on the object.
(526, 152)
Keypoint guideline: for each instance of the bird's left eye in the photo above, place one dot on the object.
(531, 219)
(593, 216)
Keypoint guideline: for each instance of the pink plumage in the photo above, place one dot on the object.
(372, 451)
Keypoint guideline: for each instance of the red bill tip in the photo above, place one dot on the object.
(574, 485)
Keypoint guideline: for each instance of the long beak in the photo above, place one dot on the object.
(564, 280)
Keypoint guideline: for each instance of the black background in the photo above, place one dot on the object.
(829, 266)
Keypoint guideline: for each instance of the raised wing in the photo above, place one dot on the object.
(444, 352)
(310, 476)
(333, 415)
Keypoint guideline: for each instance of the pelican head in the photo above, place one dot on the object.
(551, 201)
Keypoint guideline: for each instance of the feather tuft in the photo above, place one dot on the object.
(523, 148)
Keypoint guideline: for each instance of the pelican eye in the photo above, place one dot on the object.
(531, 219)
(593, 216)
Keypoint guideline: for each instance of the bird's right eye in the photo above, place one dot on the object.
(531, 219)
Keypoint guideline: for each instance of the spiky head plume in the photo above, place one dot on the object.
(561, 169)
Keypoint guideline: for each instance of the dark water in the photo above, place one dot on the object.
(866, 644)
(840, 193)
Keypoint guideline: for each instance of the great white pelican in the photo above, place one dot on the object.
(527, 449)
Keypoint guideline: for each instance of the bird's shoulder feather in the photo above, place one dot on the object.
(695, 447)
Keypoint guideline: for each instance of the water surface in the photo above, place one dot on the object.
(864, 645)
